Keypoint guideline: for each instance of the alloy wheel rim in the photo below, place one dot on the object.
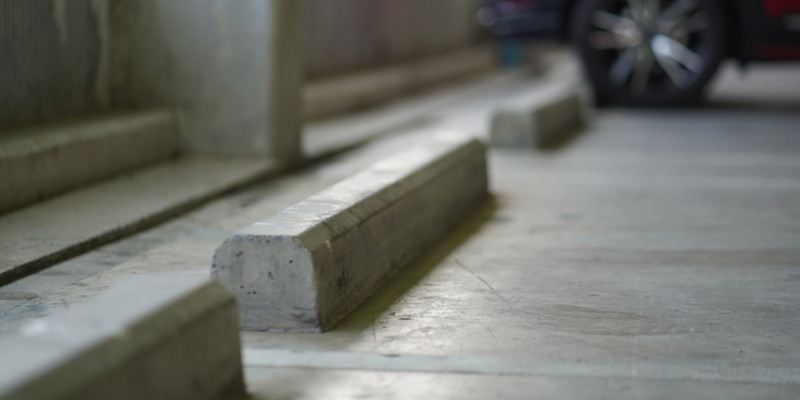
(651, 43)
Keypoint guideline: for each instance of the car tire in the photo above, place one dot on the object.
(650, 53)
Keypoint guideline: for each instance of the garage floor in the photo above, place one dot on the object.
(656, 256)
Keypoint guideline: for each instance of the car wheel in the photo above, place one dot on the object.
(649, 52)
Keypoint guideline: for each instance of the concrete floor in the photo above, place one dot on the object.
(655, 256)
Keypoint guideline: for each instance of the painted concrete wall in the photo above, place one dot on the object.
(346, 35)
(53, 62)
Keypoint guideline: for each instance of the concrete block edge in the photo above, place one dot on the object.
(305, 268)
(115, 345)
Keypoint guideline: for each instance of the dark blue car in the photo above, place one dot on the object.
(655, 52)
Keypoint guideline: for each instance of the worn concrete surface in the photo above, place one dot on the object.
(156, 337)
(42, 161)
(540, 119)
(421, 110)
(43, 234)
(350, 35)
(627, 262)
(298, 383)
(306, 267)
(329, 97)
(233, 70)
(181, 245)
(55, 60)
(467, 106)
(657, 256)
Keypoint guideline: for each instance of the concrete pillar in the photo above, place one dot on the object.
(286, 68)
(232, 69)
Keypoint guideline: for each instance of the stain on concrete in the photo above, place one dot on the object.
(17, 295)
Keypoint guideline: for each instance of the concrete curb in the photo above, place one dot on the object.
(36, 237)
(152, 337)
(308, 266)
(543, 119)
(41, 162)
(342, 94)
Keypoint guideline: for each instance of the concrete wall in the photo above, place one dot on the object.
(346, 35)
(209, 59)
(53, 62)
(215, 62)
(205, 58)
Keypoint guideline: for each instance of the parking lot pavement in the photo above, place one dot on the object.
(657, 256)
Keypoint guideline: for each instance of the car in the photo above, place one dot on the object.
(654, 52)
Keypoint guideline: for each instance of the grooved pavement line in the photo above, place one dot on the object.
(511, 366)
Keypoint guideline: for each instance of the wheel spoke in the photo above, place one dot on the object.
(668, 47)
(617, 32)
(623, 67)
(652, 9)
(612, 22)
(676, 74)
(643, 60)
(637, 10)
